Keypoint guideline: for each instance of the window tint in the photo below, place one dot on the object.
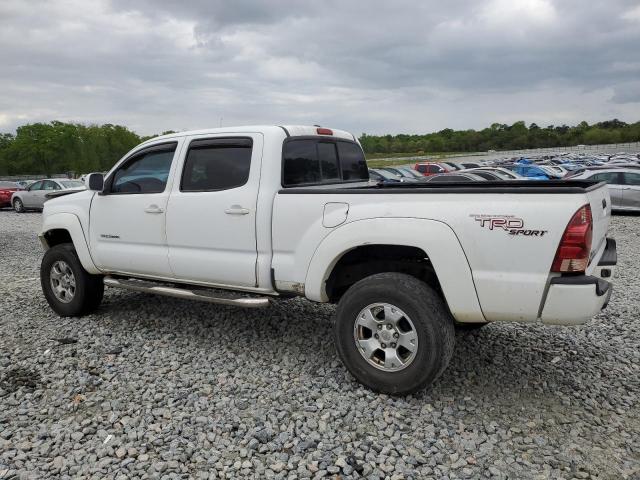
(608, 177)
(309, 161)
(145, 173)
(328, 161)
(218, 164)
(434, 169)
(422, 168)
(35, 186)
(631, 178)
(352, 161)
(301, 162)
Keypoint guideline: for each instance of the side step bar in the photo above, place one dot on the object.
(203, 295)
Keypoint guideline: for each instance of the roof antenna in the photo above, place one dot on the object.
(220, 122)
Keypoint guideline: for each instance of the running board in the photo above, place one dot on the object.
(202, 295)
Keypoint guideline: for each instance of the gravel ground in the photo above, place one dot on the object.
(152, 387)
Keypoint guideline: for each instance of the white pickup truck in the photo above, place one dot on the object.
(244, 216)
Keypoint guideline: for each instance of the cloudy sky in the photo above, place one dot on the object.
(366, 66)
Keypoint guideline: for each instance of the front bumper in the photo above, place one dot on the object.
(573, 300)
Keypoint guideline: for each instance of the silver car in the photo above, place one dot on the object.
(623, 183)
(35, 195)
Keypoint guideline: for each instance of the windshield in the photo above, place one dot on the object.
(72, 183)
(9, 185)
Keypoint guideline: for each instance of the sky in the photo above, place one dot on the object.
(367, 66)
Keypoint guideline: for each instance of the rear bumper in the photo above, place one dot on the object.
(573, 300)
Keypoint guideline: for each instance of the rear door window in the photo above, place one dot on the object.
(312, 162)
(216, 164)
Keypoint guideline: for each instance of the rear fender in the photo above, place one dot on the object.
(70, 223)
(435, 238)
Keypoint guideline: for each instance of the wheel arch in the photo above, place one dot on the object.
(66, 227)
(443, 262)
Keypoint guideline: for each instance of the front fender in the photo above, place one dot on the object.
(435, 238)
(70, 223)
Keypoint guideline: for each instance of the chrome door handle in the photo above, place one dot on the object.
(236, 210)
(153, 209)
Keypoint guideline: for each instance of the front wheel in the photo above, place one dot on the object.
(70, 290)
(18, 206)
(394, 333)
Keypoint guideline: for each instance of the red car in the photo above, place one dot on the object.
(6, 190)
(429, 168)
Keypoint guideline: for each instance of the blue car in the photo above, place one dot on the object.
(525, 168)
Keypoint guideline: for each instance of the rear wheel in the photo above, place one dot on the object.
(18, 206)
(394, 333)
(70, 290)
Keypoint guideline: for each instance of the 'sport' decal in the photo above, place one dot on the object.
(507, 223)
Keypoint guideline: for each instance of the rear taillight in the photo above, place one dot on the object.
(575, 245)
(324, 131)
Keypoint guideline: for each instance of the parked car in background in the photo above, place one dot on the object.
(623, 185)
(407, 173)
(452, 166)
(554, 171)
(467, 165)
(428, 169)
(503, 173)
(382, 176)
(487, 174)
(530, 171)
(35, 195)
(456, 177)
(25, 183)
(6, 190)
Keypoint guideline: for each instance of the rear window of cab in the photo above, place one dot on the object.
(315, 161)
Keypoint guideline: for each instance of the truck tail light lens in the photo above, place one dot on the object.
(575, 245)
(324, 131)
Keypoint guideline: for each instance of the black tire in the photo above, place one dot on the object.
(430, 316)
(18, 206)
(89, 289)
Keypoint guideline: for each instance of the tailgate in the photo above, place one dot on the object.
(601, 213)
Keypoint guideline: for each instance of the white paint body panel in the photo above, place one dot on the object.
(292, 241)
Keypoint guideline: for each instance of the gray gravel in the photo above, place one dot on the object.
(203, 391)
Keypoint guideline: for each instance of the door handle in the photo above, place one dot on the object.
(153, 209)
(236, 210)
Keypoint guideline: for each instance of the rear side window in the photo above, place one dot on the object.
(216, 164)
(146, 172)
(311, 161)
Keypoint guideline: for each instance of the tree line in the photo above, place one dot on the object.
(58, 147)
(504, 137)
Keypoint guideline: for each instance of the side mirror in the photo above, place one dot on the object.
(94, 181)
